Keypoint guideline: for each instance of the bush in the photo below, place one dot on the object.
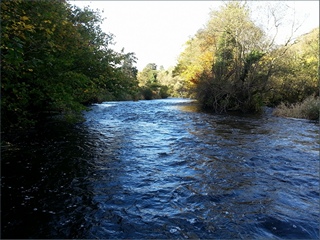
(308, 109)
(147, 93)
(164, 92)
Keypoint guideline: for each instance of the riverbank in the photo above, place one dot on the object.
(308, 109)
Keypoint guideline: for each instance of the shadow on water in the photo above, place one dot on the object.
(45, 192)
(163, 169)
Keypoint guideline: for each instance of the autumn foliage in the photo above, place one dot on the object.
(235, 64)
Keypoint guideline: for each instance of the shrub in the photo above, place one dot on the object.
(164, 92)
(147, 93)
(308, 109)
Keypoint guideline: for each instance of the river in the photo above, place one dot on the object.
(163, 169)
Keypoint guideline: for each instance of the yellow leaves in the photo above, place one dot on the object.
(20, 27)
(311, 59)
(48, 31)
(206, 59)
(192, 72)
(54, 27)
(64, 22)
(24, 18)
(29, 27)
(24, 26)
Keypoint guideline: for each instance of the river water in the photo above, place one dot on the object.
(163, 169)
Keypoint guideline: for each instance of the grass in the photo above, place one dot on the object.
(308, 109)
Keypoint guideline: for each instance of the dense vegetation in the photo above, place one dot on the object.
(160, 83)
(56, 59)
(155, 83)
(233, 64)
(308, 109)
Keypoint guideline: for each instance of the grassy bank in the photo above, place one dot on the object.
(308, 109)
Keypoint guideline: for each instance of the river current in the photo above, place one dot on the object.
(163, 169)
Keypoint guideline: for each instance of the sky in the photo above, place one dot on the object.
(157, 30)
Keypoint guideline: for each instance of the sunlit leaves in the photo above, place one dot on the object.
(297, 75)
(232, 64)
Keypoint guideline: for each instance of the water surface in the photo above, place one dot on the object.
(163, 169)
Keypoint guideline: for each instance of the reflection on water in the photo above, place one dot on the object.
(163, 169)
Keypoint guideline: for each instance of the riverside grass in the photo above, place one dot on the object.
(308, 109)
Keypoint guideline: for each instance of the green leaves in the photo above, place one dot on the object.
(55, 58)
(155, 83)
(296, 77)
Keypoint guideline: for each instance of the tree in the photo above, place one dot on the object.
(127, 83)
(296, 77)
(56, 59)
(230, 63)
(32, 57)
(196, 59)
(152, 82)
(231, 47)
(148, 75)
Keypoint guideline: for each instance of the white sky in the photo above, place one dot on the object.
(157, 30)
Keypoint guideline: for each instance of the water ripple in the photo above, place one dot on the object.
(164, 169)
